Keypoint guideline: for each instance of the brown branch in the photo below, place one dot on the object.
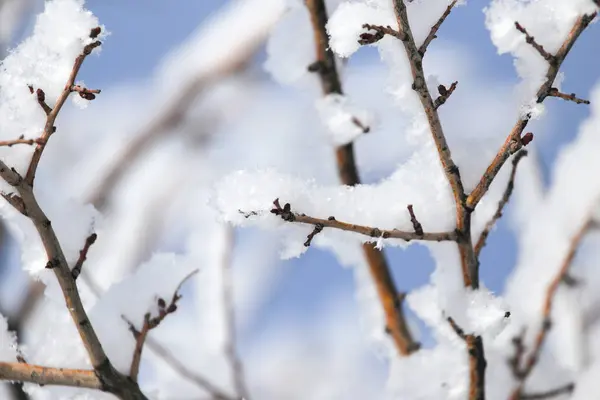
(20, 140)
(237, 368)
(566, 389)
(457, 329)
(21, 372)
(569, 97)
(503, 202)
(288, 215)
(150, 323)
(415, 222)
(531, 361)
(380, 32)
(435, 28)
(538, 47)
(469, 262)
(378, 266)
(83, 255)
(84, 93)
(445, 93)
(513, 142)
(52, 114)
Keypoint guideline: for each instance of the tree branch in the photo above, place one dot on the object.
(49, 376)
(513, 142)
(503, 202)
(435, 28)
(231, 352)
(378, 266)
(150, 323)
(52, 114)
(566, 389)
(530, 362)
(288, 215)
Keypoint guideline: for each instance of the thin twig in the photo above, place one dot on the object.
(378, 265)
(237, 368)
(52, 114)
(18, 371)
(501, 204)
(445, 93)
(538, 47)
(435, 28)
(469, 262)
(150, 323)
(565, 389)
(554, 92)
(513, 142)
(288, 215)
(21, 140)
(380, 32)
(415, 222)
(83, 255)
(531, 361)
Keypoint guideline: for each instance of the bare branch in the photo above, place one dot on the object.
(459, 331)
(566, 389)
(380, 32)
(538, 47)
(378, 266)
(444, 94)
(514, 142)
(435, 28)
(530, 362)
(415, 222)
(50, 376)
(288, 215)
(83, 255)
(20, 140)
(503, 202)
(237, 368)
(151, 323)
(52, 114)
(554, 92)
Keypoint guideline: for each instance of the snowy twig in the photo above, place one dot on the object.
(379, 269)
(83, 255)
(514, 142)
(415, 222)
(501, 204)
(435, 28)
(22, 372)
(84, 93)
(237, 368)
(111, 380)
(52, 114)
(150, 323)
(463, 214)
(457, 329)
(566, 389)
(530, 362)
(554, 92)
(288, 215)
(469, 262)
(380, 32)
(444, 94)
(538, 47)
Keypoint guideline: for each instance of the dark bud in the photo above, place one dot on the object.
(172, 308)
(95, 32)
(527, 138)
(161, 302)
(442, 90)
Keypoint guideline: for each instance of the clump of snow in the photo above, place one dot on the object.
(548, 21)
(346, 25)
(344, 121)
